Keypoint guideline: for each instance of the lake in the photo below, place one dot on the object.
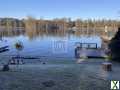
(49, 45)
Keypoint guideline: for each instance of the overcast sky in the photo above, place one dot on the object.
(60, 8)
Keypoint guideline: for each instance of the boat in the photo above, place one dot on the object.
(4, 49)
(4, 46)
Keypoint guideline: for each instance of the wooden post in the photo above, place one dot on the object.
(107, 66)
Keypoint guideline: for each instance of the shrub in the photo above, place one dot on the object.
(114, 46)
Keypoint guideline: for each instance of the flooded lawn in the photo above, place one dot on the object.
(55, 66)
(64, 75)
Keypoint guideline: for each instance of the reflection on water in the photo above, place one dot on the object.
(45, 43)
(11, 33)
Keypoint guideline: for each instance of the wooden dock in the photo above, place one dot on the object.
(89, 50)
(95, 53)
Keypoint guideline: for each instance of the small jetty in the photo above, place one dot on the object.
(89, 50)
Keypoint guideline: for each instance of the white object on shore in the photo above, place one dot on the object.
(83, 55)
(80, 60)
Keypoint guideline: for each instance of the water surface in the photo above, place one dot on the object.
(50, 45)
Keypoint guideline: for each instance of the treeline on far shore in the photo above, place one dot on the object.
(60, 24)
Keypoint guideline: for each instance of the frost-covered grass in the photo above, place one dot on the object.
(59, 75)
